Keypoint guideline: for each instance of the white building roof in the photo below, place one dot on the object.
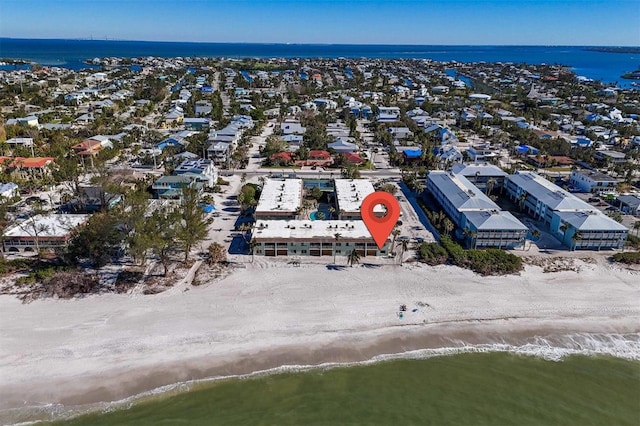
(548, 193)
(464, 195)
(309, 229)
(494, 219)
(20, 141)
(480, 169)
(351, 192)
(591, 221)
(280, 196)
(54, 225)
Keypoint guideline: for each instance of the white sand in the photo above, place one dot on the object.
(110, 346)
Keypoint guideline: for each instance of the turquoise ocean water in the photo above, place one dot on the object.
(604, 66)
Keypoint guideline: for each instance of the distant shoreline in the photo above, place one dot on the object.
(613, 49)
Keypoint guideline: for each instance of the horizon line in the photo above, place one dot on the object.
(308, 44)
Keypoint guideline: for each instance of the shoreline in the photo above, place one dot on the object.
(58, 355)
(121, 388)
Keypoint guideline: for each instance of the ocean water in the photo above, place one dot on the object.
(582, 379)
(604, 66)
(465, 389)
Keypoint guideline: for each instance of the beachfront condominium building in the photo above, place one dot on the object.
(483, 223)
(593, 181)
(349, 196)
(280, 199)
(314, 238)
(484, 176)
(574, 222)
(41, 232)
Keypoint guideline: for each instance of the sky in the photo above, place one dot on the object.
(426, 22)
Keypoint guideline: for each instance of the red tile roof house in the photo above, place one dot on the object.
(318, 157)
(26, 167)
(281, 157)
(353, 159)
(92, 146)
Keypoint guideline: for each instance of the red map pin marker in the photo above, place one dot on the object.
(380, 227)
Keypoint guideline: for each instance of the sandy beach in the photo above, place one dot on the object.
(269, 314)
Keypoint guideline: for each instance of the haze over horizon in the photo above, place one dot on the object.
(401, 22)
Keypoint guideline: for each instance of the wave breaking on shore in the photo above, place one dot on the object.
(550, 348)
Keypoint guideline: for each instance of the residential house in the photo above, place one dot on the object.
(629, 204)
(388, 114)
(201, 170)
(203, 108)
(481, 153)
(292, 127)
(614, 157)
(27, 167)
(8, 190)
(593, 181)
(196, 124)
(170, 187)
(342, 146)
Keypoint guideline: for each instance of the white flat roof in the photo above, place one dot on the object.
(310, 229)
(54, 225)
(351, 192)
(280, 196)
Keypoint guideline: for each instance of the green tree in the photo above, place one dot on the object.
(563, 228)
(337, 236)
(491, 183)
(316, 193)
(159, 234)
(247, 197)
(577, 236)
(193, 224)
(404, 246)
(97, 240)
(353, 257)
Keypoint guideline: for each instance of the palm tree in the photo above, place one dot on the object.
(353, 257)
(563, 228)
(636, 226)
(522, 199)
(575, 238)
(491, 182)
(535, 236)
(448, 225)
(395, 234)
(472, 236)
(404, 246)
(262, 180)
(337, 237)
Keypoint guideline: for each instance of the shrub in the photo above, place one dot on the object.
(493, 261)
(630, 257)
(484, 262)
(13, 265)
(433, 253)
(455, 250)
(633, 241)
